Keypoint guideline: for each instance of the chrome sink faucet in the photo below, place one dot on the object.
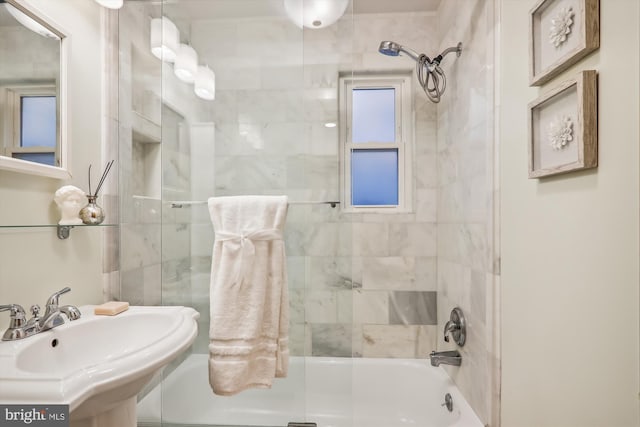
(20, 328)
(53, 313)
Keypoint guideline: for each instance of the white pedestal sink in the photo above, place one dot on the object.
(96, 364)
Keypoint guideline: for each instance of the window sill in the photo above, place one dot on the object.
(377, 210)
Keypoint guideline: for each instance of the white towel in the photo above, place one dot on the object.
(249, 300)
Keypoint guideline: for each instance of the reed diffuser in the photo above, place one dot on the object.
(92, 214)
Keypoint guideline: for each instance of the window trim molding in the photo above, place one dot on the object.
(10, 96)
(14, 96)
(404, 138)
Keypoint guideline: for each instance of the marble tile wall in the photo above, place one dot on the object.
(110, 150)
(140, 214)
(38, 57)
(366, 285)
(468, 258)
(157, 115)
(360, 284)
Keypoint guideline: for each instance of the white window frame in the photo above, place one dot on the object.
(404, 138)
(12, 120)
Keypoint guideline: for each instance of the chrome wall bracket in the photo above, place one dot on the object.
(64, 231)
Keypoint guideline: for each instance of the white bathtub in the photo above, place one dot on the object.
(332, 392)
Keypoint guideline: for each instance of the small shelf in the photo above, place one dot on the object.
(145, 130)
(62, 231)
(55, 225)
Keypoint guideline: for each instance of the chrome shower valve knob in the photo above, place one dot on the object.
(456, 327)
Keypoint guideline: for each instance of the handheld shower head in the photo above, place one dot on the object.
(389, 48)
(430, 75)
(393, 49)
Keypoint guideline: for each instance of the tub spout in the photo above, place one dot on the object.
(445, 357)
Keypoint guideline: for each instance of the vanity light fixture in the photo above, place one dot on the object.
(165, 39)
(205, 83)
(315, 13)
(111, 4)
(186, 65)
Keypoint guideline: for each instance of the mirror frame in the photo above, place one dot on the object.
(23, 166)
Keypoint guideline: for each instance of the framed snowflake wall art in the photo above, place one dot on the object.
(563, 127)
(561, 33)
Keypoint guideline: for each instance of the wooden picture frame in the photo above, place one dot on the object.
(563, 127)
(561, 32)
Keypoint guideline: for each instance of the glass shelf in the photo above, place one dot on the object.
(54, 225)
(63, 231)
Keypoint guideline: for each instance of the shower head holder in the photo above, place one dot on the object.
(428, 71)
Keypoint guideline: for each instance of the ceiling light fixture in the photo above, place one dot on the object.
(111, 4)
(165, 39)
(315, 13)
(205, 83)
(29, 22)
(186, 65)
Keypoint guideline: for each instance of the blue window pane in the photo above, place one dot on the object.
(38, 121)
(374, 115)
(374, 177)
(44, 158)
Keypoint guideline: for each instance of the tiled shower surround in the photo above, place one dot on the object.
(468, 255)
(155, 240)
(21, 61)
(361, 285)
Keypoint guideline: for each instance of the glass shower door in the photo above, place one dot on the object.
(237, 144)
(267, 132)
(264, 134)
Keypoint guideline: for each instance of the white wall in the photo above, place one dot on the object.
(570, 244)
(33, 262)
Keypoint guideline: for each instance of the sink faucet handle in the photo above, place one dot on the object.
(17, 314)
(71, 312)
(15, 308)
(53, 299)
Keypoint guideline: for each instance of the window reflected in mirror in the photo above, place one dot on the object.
(31, 117)
(33, 124)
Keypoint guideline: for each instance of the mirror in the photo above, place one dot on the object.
(33, 135)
